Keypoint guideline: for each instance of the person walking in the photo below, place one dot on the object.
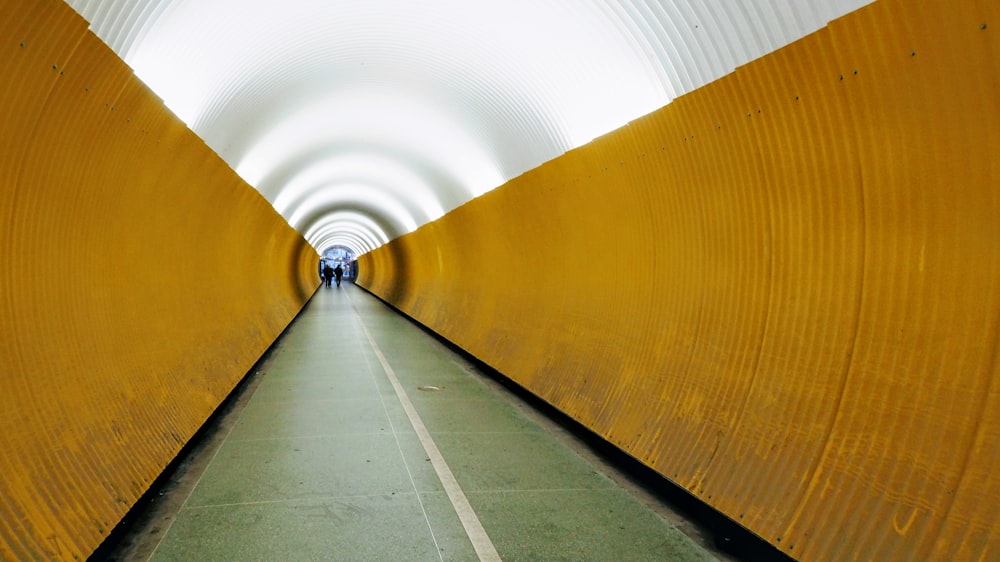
(328, 273)
(338, 272)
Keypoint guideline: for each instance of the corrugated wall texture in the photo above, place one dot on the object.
(141, 279)
(782, 291)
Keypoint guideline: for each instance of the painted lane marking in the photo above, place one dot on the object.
(473, 527)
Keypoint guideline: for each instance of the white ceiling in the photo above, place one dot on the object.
(361, 120)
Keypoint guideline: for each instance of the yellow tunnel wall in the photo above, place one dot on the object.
(780, 291)
(141, 280)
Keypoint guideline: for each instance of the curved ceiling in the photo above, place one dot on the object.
(361, 120)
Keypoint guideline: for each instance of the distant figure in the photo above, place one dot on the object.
(338, 272)
(328, 274)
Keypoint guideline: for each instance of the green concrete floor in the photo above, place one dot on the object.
(340, 451)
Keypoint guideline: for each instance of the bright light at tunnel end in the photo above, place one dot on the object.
(401, 111)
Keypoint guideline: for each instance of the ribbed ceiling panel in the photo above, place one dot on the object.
(457, 96)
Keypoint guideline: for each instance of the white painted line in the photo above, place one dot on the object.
(473, 528)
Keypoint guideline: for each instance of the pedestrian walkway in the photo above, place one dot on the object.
(363, 438)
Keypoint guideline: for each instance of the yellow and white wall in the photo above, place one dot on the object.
(781, 291)
(141, 279)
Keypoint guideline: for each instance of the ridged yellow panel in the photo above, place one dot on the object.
(782, 291)
(141, 280)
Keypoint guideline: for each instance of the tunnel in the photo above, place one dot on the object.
(753, 246)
